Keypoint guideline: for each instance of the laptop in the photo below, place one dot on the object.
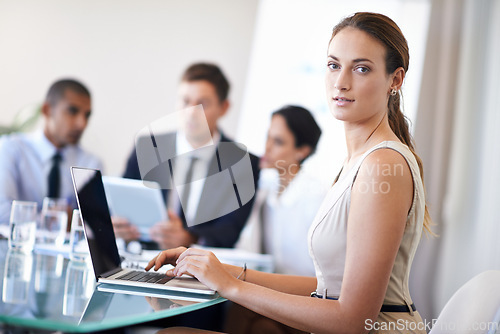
(141, 202)
(168, 296)
(98, 229)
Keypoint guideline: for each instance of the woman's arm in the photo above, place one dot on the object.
(297, 285)
(381, 199)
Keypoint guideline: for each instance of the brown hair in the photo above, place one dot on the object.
(388, 33)
(211, 73)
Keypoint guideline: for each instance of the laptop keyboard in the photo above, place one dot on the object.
(144, 276)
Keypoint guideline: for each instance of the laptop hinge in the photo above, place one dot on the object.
(110, 273)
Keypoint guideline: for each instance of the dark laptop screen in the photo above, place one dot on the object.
(96, 219)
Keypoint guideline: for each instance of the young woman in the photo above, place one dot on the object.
(366, 232)
(288, 197)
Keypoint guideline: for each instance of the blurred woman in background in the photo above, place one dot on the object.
(288, 197)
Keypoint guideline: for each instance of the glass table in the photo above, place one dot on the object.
(47, 291)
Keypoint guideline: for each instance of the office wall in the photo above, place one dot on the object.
(130, 54)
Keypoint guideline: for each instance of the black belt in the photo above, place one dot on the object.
(385, 308)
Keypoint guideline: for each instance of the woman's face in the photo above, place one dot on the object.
(281, 152)
(357, 85)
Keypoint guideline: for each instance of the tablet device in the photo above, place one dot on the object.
(142, 205)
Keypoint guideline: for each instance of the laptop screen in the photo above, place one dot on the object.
(96, 219)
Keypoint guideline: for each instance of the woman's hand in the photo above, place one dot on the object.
(199, 263)
(168, 256)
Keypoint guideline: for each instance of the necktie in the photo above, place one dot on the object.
(187, 185)
(263, 234)
(55, 176)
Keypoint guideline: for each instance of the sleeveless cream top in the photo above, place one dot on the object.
(328, 233)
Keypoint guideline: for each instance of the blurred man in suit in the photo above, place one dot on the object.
(201, 84)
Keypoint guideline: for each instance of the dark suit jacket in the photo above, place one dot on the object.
(219, 232)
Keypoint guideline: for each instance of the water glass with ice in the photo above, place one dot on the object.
(79, 249)
(54, 221)
(22, 225)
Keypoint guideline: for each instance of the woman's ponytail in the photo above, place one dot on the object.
(400, 126)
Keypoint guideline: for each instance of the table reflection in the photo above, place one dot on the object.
(48, 271)
(47, 283)
(78, 288)
(50, 292)
(159, 304)
(17, 276)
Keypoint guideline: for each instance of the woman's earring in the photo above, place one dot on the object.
(394, 92)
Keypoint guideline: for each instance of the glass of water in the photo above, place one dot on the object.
(54, 221)
(22, 226)
(79, 249)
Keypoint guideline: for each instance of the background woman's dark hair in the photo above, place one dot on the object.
(302, 125)
(386, 31)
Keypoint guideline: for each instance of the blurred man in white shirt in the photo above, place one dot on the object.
(26, 160)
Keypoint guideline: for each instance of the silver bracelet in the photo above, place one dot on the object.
(243, 272)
